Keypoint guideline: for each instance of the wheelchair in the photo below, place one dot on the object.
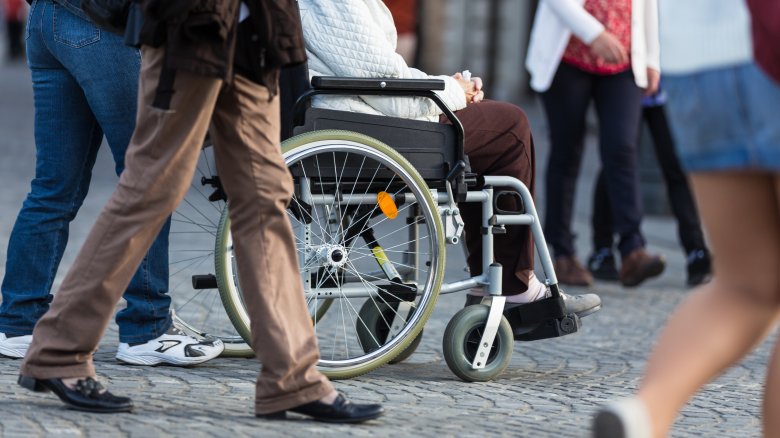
(374, 206)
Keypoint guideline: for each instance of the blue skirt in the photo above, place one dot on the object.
(725, 119)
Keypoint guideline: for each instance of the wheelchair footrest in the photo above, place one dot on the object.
(541, 319)
(551, 328)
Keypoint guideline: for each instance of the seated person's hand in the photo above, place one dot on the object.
(472, 88)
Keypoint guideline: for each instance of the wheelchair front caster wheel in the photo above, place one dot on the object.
(374, 323)
(461, 342)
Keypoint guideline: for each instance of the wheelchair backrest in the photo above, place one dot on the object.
(431, 147)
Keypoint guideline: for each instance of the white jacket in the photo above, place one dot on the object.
(358, 38)
(555, 22)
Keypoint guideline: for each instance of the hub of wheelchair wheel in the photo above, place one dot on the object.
(332, 255)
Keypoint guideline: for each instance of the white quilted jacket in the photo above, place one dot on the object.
(357, 38)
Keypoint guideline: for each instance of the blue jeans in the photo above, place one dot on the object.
(85, 84)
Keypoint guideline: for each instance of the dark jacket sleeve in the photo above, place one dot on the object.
(277, 24)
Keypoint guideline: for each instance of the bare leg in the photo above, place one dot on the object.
(722, 321)
(772, 389)
(772, 395)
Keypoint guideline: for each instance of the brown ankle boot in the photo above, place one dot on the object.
(569, 271)
(638, 266)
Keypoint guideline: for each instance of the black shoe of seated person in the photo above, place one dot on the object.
(340, 411)
(88, 395)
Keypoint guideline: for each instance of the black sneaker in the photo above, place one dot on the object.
(601, 265)
(699, 267)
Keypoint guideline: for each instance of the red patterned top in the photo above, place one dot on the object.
(615, 15)
(14, 11)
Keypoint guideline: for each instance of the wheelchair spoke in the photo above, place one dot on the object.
(352, 192)
(323, 225)
(390, 248)
(406, 228)
(370, 213)
(315, 219)
(206, 198)
(205, 228)
(371, 297)
(335, 206)
(363, 322)
(195, 261)
(370, 183)
(365, 256)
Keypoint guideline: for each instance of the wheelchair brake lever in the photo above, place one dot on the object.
(451, 219)
(456, 171)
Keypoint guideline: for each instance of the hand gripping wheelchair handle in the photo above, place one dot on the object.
(392, 87)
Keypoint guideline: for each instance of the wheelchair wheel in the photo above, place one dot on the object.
(368, 234)
(461, 341)
(192, 281)
(375, 326)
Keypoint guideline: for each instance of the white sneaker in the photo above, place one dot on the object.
(174, 348)
(626, 418)
(15, 347)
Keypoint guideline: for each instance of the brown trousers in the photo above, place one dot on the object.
(160, 163)
(499, 142)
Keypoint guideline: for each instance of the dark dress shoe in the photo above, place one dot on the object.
(340, 411)
(639, 266)
(88, 395)
(570, 272)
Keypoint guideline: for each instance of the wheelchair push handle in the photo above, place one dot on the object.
(378, 84)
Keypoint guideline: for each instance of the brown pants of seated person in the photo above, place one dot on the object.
(161, 160)
(499, 142)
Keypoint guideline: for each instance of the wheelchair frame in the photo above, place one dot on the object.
(459, 189)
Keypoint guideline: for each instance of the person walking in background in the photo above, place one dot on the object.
(601, 263)
(14, 12)
(226, 79)
(723, 110)
(85, 86)
(605, 51)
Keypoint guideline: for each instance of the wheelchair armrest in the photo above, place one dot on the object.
(378, 84)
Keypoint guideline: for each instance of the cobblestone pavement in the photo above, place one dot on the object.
(551, 388)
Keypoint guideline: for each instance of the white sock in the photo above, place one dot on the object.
(536, 291)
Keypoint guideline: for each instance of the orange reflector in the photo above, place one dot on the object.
(387, 205)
